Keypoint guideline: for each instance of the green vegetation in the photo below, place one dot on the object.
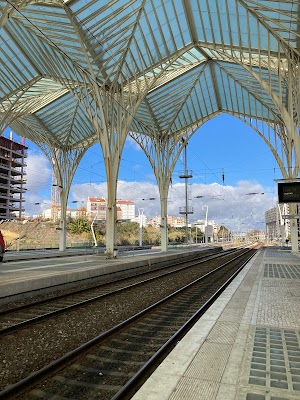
(79, 225)
(128, 233)
(35, 234)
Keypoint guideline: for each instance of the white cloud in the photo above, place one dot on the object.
(132, 143)
(38, 174)
(237, 207)
(81, 192)
(38, 171)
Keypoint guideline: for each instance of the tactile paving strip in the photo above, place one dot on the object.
(256, 396)
(278, 254)
(282, 271)
(275, 359)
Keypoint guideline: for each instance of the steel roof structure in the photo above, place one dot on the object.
(74, 72)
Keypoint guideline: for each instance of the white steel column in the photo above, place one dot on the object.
(64, 164)
(63, 220)
(162, 153)
(111, 210)
(286, 156)
(281, 223)
(163, 191)
(205, 229)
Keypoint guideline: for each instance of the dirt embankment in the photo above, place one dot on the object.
(34, 234)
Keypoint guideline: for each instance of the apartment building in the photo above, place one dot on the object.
(127, 209)
(70, 213)
(175, 222)
(96, 208)
(12, 178)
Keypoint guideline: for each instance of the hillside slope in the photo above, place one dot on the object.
(35, 234)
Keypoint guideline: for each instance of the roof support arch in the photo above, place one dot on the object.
(288, 165)
(280, 145)
(288, 78)
(286, 113)
(163, 153)
(111, 108)
(64, 162)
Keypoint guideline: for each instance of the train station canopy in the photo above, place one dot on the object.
(171, 64)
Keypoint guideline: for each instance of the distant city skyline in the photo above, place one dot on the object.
(222, 147)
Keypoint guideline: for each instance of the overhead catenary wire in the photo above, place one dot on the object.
(238, 202)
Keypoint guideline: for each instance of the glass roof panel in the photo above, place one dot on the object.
(227, 22)
(200, 104)
(282, 16)
(159, 47)
(34, 96)
(157, 31)
(47, 59)
(15, 68)
(195, 99)
(243, 99)
(67, 120)
(52, 25)
(247, 80)
(162, 99)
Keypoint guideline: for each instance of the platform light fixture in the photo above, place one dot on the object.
(141, 213)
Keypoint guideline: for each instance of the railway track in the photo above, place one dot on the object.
(114, 364)
(24, 316)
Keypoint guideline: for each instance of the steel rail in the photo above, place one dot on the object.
(135, 382)
(29, 322)
(33, 379)
(75, 292)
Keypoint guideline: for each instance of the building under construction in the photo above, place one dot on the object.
(12, 178)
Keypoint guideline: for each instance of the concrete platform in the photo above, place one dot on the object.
(24, 274)
(246, 346)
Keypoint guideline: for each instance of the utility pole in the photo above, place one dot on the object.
(54, 198)
(186, 210)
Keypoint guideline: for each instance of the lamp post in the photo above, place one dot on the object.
(205, 226)
(141, 212)
(93, 231)
(92, 226)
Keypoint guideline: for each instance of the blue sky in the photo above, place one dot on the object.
(223, 145)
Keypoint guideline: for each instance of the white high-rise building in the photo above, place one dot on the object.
(127, 209)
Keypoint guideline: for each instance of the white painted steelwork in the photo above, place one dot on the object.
(76, 72)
